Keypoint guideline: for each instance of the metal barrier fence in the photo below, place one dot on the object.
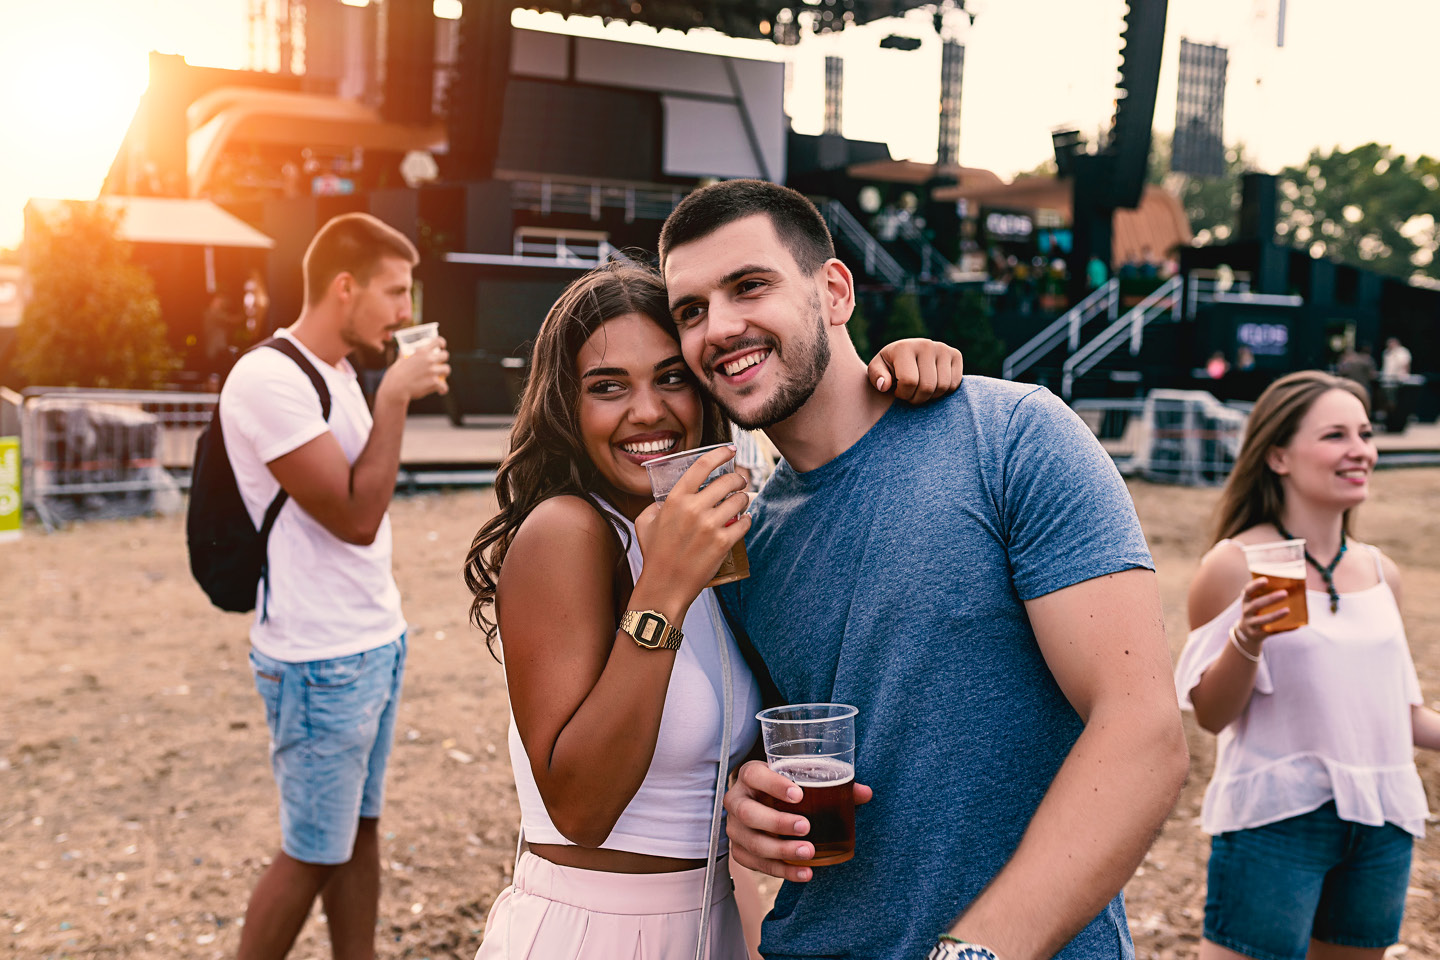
(107, 453)
(1169, 436)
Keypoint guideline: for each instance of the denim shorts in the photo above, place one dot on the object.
(1272, 888)
(332, 723)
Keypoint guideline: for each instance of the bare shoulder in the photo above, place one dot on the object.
(564, 526)
(1221, 578)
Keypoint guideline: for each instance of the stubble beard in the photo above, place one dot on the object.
(795, 390)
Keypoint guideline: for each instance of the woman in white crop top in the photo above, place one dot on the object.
(1315, 800)
(616, 746)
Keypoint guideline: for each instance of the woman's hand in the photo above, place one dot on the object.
(1257, 596)
(919, 370)
(685, 539)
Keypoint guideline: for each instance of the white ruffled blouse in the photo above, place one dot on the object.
(1329, 718)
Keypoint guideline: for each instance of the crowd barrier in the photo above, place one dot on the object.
(1169, 436)
(91, 454)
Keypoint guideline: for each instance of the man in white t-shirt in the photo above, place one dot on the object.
(328, 642)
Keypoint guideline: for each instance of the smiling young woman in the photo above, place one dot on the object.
(1315, 799)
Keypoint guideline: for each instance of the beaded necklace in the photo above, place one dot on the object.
(1327, 573)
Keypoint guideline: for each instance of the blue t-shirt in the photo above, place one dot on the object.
(894, 578)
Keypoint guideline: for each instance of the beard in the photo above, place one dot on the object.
(810, 361)
(352, 339)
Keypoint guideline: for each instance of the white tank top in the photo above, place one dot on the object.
(1329, 718)
(669, 816)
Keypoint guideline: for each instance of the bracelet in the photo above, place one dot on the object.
(1235, 640)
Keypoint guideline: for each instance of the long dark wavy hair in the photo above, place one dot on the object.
(547, 455)
(1253, 494)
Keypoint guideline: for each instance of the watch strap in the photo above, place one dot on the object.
(651, 630)
(948, 948)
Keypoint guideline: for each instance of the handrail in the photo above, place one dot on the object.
(1132, 324)
(1068, 324)
(877, 261)
(555, 195)
(933, 265)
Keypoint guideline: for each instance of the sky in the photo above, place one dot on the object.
(72, 72)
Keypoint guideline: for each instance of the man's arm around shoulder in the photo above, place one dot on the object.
(350, 499)
(1104, 641)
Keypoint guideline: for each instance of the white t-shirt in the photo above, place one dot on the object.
(669, 816)
(328, 598)
(1329, 718)
(1395, 363)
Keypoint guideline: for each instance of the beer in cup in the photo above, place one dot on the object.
(665, 471)
(1283, 564)
(409, 339)
(814, 745)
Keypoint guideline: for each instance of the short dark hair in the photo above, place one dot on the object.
(801, 227)
(352, 243)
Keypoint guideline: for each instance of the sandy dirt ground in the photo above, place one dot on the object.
(137, 808)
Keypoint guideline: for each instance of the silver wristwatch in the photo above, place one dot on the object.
(954, 950)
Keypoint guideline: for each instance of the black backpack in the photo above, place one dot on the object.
(227, 553)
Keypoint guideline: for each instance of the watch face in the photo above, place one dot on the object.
(650, 630)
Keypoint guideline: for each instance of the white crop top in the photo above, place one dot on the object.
(1329, 718)
(670, 814)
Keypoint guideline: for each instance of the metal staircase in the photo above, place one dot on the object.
(1164, 299)
(1104, 299)
(875, 260)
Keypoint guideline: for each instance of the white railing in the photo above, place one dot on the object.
(1067, 326)
(590, 198)
(1131, 326)
(105, 453)
(875, 259)
(560, 252)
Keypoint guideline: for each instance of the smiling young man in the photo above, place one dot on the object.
(328, 642)
(972, 576)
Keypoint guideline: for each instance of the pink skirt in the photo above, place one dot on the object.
(552, 912)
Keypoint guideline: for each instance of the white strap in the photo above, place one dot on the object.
(702, 945)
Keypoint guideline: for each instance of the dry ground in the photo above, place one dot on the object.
(136, 806)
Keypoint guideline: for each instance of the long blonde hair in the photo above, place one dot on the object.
(1253, 495)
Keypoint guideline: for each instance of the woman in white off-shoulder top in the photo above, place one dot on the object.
(1315, 800)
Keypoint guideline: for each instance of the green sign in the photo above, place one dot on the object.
(9, 488)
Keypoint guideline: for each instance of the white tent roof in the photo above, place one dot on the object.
(193, 222)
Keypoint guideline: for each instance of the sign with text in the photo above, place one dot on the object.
(9, 488)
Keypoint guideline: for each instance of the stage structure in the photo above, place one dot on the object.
(1199, 145)
(1114, 177)
(952, 71)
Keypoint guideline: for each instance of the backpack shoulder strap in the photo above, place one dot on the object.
(288, 348)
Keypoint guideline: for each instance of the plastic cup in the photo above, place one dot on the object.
(665, 471)
(1283, 564)
(408, 339)
(814, 745)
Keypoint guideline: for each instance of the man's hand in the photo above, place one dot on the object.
(919, 370)
(422, 373)
(763, 838)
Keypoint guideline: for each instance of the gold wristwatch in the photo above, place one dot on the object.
(651, 630)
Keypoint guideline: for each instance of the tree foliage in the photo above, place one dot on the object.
(1212, 204)
(1368, 206)
(92, 319)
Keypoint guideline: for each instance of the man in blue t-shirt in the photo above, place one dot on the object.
(971, 575)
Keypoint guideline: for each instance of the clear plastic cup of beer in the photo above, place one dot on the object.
(408, 339)
(666, 471)
(1283, 564)
(814, 745)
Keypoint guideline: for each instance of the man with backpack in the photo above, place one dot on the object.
(328, 641)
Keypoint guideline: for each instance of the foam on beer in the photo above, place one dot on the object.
(814, 771)
(1282, 571)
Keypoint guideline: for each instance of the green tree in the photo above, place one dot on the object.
(859, 328)
(967, 326)
(92, 319)
(1369, 206)
(904, 320)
